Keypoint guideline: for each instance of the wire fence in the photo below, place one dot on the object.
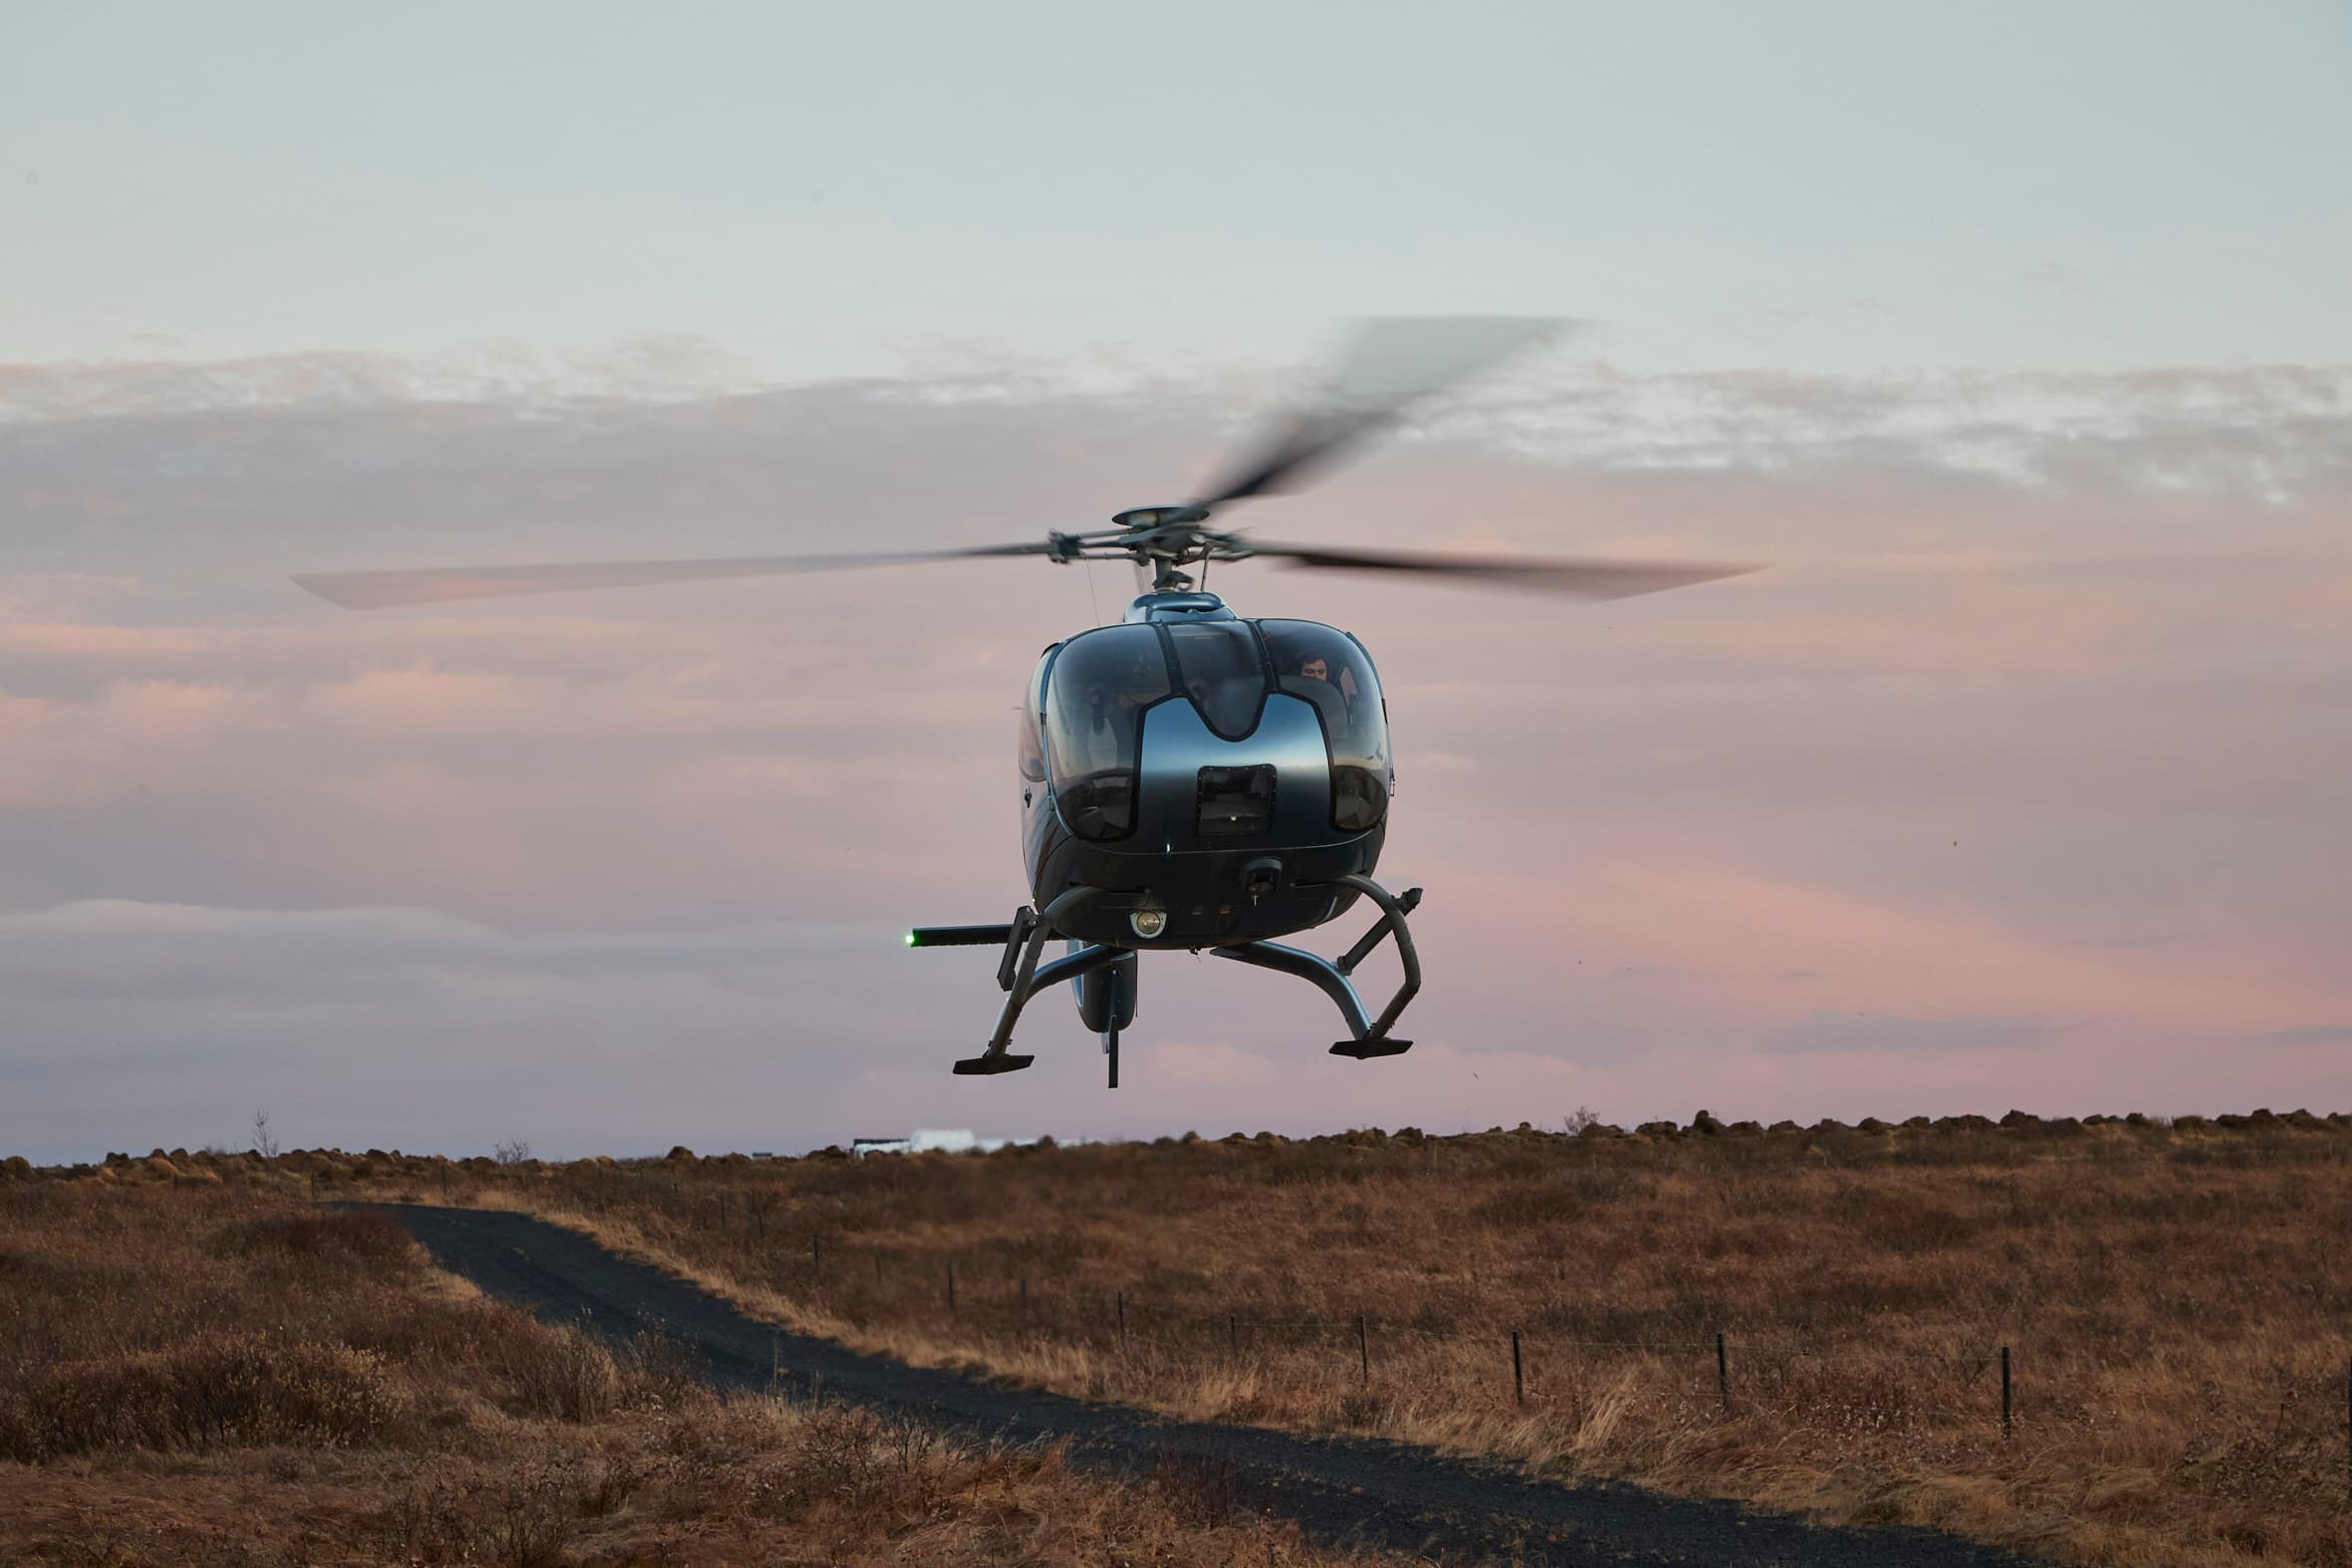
(1365, 1333)
(1539, 1367)
(1528, 1364)
(1121, 1322)
(1117, 1321)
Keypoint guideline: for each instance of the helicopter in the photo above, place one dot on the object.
(1189, 778)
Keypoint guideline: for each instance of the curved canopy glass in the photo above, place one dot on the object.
(1330, 670)
(1101, 684)
(1094, 700)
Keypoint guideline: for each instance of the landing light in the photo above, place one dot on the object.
(1148, 922)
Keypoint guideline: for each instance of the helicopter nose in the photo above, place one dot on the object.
(1234, 803)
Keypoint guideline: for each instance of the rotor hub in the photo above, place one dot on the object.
(1144, 519)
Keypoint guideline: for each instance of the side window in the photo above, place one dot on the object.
(1330, 669)
(1095, 696)
(1032, 742)
(1303, 655)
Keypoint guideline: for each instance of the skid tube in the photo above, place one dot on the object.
(1367, 1036)
(1022, 977)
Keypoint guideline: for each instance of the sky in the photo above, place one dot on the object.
(2016, 341)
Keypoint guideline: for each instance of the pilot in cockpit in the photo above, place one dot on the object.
(1315, 667)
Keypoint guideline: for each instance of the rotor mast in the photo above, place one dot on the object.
(1165, 540)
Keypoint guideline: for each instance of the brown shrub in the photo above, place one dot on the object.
(562, 1374)
(217, 1391)
(369, 1235)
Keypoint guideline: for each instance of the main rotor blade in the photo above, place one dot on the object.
(440, 584)
(1390, 365)
(1595, 578)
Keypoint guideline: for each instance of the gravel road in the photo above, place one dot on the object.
(1341, 1491)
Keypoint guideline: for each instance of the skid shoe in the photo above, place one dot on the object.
(988, 1063)
(1362, 1050)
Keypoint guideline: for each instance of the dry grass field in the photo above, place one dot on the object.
(199, 1366)
(2178, 1299)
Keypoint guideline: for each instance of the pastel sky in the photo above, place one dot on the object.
(2018, 342)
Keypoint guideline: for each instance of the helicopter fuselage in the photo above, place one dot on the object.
(1210, 778)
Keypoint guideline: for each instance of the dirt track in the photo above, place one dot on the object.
(1339, 1490)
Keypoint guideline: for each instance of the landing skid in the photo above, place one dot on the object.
(1021, 976)
(1367, 1036)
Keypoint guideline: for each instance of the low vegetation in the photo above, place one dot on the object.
(199, 1366)
(2175, 1297)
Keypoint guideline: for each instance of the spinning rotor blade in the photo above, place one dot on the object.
(1581, 578)
(441, 585)
(1391, 365)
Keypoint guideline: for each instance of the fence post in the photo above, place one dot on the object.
(951, 1288)
(1122, 1322)
(1024, 1295)
(1723, 1371)
(877, 1268)
(1519, 1380)
(2006, 1430)
(1363, 1348)
(1233, 1333)
(815, 1254)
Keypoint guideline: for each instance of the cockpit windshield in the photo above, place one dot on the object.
(1095, 696)
(1329, 669)
(1100, 685)
(1224, 673)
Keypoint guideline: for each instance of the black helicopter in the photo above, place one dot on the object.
(1189, 778)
